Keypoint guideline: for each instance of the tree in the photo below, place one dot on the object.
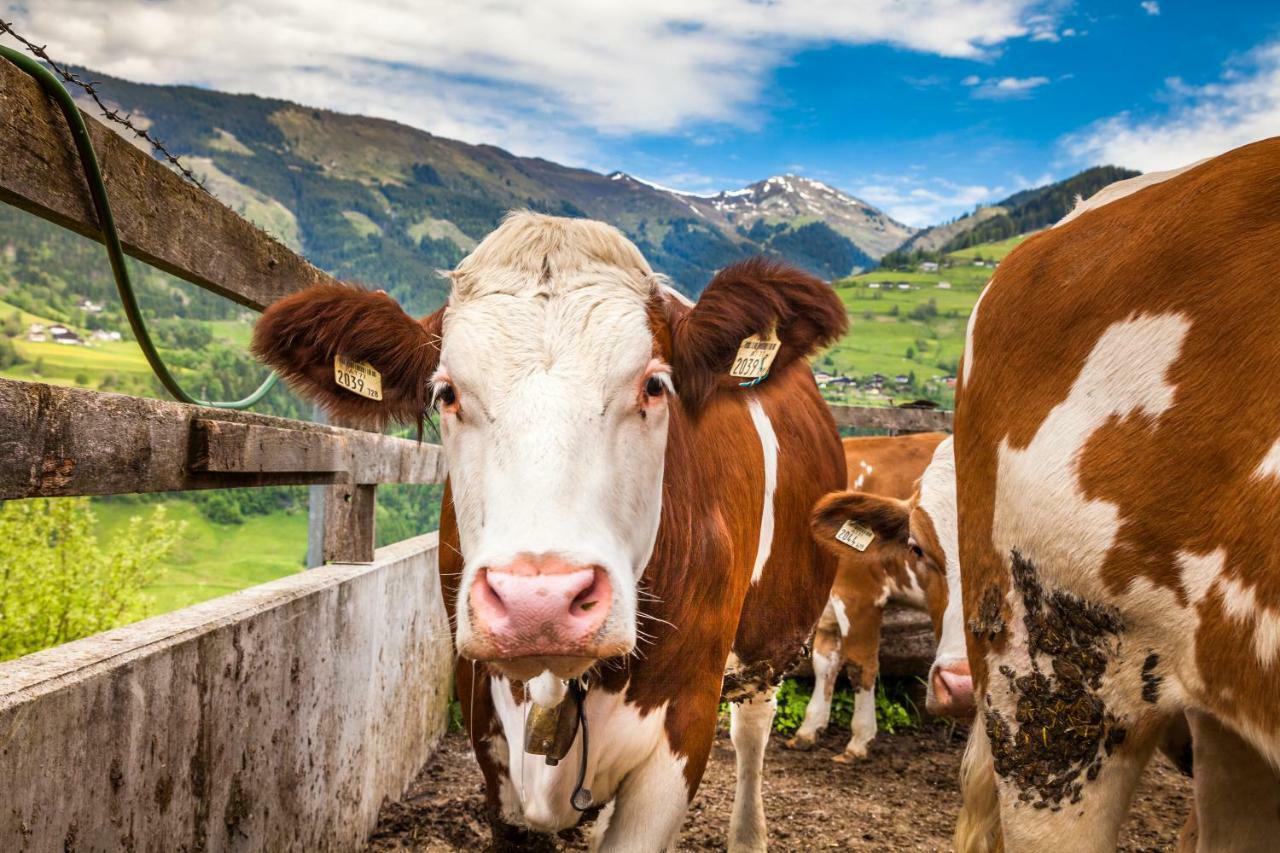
(13, 325)
(8, 353)
(911, 353)
(58, 583)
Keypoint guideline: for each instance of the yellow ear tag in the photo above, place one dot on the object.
(358, 377)
(756, 355)
(855, 535)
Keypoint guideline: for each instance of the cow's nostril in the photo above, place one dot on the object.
(586, 601)
(489, 597)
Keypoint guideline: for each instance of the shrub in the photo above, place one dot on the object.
(59, 583)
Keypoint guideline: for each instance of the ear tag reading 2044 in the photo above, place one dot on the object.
(358, 377)
(855, 535)
(755, 356)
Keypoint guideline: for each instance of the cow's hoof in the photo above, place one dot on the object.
(803, 743)
(849, 756)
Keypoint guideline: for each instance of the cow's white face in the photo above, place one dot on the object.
(549, 369)
(553, 411)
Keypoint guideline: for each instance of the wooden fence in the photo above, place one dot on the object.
(62, 441)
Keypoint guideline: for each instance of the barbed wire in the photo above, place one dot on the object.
(90, 88)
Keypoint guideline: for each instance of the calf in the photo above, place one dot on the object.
(626, 512)
(910, 557)
(1121, 505)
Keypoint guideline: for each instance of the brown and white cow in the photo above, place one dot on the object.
(1118, 452)
(904, 493)
(618, 506)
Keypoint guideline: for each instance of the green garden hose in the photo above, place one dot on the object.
(98, 190)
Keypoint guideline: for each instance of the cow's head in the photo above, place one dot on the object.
(922, 533)
(557, 366)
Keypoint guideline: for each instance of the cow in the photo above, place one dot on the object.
(912, 520)
(625, 526)
(1117, 442)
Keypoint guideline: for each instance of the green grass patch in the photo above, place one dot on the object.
(215, 559)
(904, 323)
(991, 251)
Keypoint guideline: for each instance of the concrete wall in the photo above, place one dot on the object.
(278, 718)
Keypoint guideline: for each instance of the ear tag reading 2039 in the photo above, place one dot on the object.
(755, 356)
(855, 535)
(358, 377)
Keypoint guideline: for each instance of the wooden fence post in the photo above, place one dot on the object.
(340, 525)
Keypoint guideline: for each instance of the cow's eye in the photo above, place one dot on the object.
(445, 395)
(654, 387)
(916, 549)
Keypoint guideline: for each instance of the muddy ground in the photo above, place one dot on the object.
(903, 797)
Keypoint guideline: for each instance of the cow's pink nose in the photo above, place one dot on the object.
(540, 605)
(951, 690)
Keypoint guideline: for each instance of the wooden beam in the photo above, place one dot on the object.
(69, 441)
(350, 456)
(162, 219)
(900, 420)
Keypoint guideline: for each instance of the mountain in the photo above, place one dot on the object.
(376, 201)
(1020, 213)
(793, 199)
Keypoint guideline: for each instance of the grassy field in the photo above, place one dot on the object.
(87, 366)
(902, 323)
(215, 559)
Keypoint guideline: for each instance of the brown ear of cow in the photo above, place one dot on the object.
(301, 334)
(888, 518)
(745, 299)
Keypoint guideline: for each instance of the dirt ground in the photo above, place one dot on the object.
(903, 797)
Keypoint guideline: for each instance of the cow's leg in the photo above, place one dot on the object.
(1237, 791)
(827, 656)
(492, 751)
(646, 814)
(862, 662)
(750, 722)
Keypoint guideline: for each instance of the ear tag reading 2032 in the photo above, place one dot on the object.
(755, 356)
(358, 377)
(855, 535)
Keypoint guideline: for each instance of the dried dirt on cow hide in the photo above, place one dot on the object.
(903, 797)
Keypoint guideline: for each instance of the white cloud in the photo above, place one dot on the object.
(971, 80)
(924, 201)
(920, 200)
(1151, 7)
(1005, 88)
(1202, 121)
(536, 77)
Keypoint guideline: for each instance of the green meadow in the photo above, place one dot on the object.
(214, 559)
(910, 322)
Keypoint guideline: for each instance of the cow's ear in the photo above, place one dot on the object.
(303, 334)
(886, 520)
(748, 298)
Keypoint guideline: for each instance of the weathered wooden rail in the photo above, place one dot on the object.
(276, 718)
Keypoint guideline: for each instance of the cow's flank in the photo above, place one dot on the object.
(1119, 548)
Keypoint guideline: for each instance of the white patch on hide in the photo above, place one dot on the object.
(968, 356)
(1040, 508)
(769, 446)
(842, 615)
(1269, 467)
(1241, 604)
(938, 501)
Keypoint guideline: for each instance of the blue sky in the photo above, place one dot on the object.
(924, 107)
(883, 121)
